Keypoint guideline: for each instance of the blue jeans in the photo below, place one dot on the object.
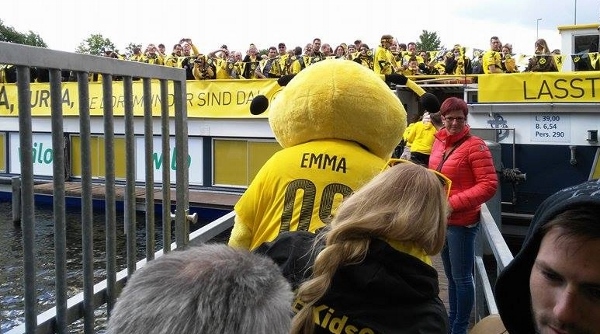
(458, 257)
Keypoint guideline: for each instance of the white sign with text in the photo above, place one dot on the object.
(554, 128)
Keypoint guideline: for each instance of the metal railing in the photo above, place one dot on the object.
(24, 58)
(47, 319)
(490, 238)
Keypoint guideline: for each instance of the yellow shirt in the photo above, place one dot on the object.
(299, 188)
(384, 62)
(491, 57)
(421, 137)
(406, 136)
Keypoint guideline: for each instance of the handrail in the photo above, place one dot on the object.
(497, 243)
(490, 236)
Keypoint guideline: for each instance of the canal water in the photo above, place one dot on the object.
(11, 259)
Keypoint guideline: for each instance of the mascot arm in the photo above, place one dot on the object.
(401, 79)
(241, 235)
(428, 100)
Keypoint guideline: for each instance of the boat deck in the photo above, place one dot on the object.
(197, 198)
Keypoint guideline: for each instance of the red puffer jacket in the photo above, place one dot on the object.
(471, 169)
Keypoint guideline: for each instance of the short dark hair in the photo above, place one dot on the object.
(436, 119)
(581, 222)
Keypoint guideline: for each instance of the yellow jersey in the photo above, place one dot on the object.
(299, 188)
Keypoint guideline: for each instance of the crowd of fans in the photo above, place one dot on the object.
(388, 57)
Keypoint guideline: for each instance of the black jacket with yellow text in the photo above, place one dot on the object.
(389, 292)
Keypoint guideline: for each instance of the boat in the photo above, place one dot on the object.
(546, 125)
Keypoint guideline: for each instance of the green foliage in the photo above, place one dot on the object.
(429, 41)
(9, 34)
(95, 45)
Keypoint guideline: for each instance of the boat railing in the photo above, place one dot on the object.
(490, 241)
(172, 84)
(46, 321)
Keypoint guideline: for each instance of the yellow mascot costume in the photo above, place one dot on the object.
(338, 123)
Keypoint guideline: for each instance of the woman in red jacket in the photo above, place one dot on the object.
(466, 160)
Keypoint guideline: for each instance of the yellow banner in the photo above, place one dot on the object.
(209, 98)
(540, 87)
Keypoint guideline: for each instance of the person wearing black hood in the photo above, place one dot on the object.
(553, 283)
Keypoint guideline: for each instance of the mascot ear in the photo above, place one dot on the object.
(260, 103)
(430, 102)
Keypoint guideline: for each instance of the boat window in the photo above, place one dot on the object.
(583, 45)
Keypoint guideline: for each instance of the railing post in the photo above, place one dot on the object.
(482, 247)
(16, 199)
(494, 204)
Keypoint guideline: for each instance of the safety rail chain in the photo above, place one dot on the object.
(26, 57)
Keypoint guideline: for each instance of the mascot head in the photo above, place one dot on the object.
(336, 99)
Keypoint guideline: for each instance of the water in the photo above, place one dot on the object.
(11, 260)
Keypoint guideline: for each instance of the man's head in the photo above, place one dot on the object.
(272, 52)
(495, 43)
(282, 49)
(316, 45)
(326, 49)
(187, 49)
(308, 49)
(177, 50)
(553, 283)
(386, 41)
(211, 288)
(565, 278)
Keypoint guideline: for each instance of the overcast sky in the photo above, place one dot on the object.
(64, 24)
